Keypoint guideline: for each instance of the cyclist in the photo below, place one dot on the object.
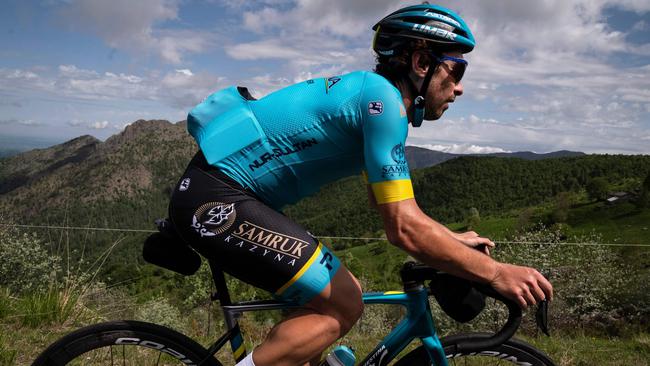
(258, 155)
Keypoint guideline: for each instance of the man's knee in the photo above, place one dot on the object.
(347, 300)
(351, 314)
(342, 300)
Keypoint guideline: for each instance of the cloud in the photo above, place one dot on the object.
(172, 45)
(320, 17)
(186, 72)
(178, 89)
(99, 125)
(11, 103)
(131, 25)
(271, 49)
(641, 26)
(545, 75)
(75, 123)
(95, 125)
(21, 122)
(20, 75)
(463, 149)
(532, 133)
(551, 67)
(184, 89)
(546, 44)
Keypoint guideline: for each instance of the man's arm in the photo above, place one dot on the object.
(428, 241)
(470, 238)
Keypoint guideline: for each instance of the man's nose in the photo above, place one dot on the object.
(458, 89)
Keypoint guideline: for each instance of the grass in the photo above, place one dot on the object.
(617, 224)
(586, 350)
(51, 307)
(24, 344)
(30, 322)
(621, 223)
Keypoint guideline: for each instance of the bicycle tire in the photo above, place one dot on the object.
(513, 351)
(111, 341)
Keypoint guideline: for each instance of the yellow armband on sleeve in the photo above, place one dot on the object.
(392, 190)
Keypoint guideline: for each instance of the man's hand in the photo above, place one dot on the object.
(524, 285)
(473, 240)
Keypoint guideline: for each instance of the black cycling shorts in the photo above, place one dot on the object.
(228, 224)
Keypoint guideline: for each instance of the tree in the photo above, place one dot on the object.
(644, 195)
(562, 204)
(524, 220)
(597, 189)
(473, 218)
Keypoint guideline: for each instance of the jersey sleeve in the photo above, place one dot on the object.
(385, 128)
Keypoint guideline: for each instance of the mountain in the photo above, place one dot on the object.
(126, 180)
(144, 158)
(419, 157)
(28, 168)
(13, 145)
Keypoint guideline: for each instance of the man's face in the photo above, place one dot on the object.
(443, 88)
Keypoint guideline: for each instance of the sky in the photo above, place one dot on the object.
(546, 75)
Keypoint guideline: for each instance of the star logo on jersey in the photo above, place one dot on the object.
(375, 108)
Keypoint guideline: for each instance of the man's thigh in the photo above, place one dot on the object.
(251, 241)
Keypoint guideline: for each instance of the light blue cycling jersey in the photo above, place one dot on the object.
(293, 141)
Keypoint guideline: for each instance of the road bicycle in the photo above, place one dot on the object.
(139, 343)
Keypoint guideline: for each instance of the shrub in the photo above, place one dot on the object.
(26, 265)
(590, 280)
(160, 311)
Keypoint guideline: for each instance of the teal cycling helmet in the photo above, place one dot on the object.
(441, 28)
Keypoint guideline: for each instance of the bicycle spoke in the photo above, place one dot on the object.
(159, 355)
(111, 348)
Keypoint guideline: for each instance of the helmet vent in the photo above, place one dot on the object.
(441, 25)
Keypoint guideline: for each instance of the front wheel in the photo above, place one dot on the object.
(125, 343)
(512, 351)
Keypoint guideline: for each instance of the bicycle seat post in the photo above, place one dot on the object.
(219, 279)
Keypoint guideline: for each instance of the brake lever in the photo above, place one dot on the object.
(541, 317)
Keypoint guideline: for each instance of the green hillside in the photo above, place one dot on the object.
(125, 183)
(494, 186)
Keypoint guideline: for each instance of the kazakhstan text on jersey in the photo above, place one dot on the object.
(288, 144)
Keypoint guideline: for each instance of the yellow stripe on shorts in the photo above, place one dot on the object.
(302, 270)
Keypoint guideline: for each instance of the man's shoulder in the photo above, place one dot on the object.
(369, 79)
(377, 86)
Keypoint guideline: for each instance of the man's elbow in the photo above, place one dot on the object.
(402, 238)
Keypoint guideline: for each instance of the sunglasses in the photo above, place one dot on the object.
(458, 69)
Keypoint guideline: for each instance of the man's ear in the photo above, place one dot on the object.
(420, 62)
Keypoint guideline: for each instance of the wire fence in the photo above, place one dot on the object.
(89, 228)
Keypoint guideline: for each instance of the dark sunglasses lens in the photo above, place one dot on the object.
(459, 71)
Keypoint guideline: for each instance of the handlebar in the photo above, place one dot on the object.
(414, 274)
(507, 330)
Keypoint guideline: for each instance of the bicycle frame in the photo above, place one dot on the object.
(418, 323)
